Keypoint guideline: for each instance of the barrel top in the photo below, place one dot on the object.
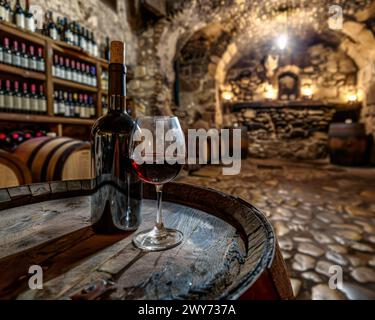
(227, 245)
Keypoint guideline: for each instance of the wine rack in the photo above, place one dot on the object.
(52, 83)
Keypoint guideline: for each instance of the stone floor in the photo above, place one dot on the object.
(323, 215)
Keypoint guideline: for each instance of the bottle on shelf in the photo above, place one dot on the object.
(1, 53)
(82, 38)
(19, 15)
(68, 35)
(71, 104)
(81, 107)
(7, 52)
(51, 26)
(61, 104)
(66, 104)
(32, 59)
(92, 75)
(68, 70)
(29, 18)
(78, 71)
(41, 65)
(24, 57)
(26, 107)
(2, 13)
(7, 10)
(17, 98)
(92, 107)
(42, 101)
(104, 105)
(61, 68)
(94, 51)
(83, 73)
(56, 103)
(55, 66)
(76, 105)
(73, 71)
(60, 29)
(107, 52)
(8, 97)
(34, 100)
(16, 55)
(2, 97)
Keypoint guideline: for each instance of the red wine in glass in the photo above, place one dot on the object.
(157, 173)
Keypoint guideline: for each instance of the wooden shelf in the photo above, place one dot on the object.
(21, 33)
(22, 72)
(19, 117)
(50, 46)
(74, 85)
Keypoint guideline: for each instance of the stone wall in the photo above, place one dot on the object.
(330, 72)
(97, 16)
(288, 133)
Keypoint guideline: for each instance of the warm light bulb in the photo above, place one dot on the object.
(307, 91)
(282, 41)
(227, 95)
(270, 93)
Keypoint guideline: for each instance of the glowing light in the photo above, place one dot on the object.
(282, 41)
(307, 91)
(270, 93)
(227, 95)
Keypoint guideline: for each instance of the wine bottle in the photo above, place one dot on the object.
(2, 14)
(55, 66)
(2, 97)
(7, 52)
(62, 68)
(24, 57)
(29, 18)
(78, 70)
(51, 27)
(117, 203)
(34, 103)
(73, 70)
(107, 52)
(61, 106)
(32, 59)
(6, 11)
(94, 46)
(25, 99)
(83, 41)
(72, 107)
(68, 35)
(91, 106)
(1, 53)
(56, 103)
(8, 98)
(42, 101)
(16, 55)
(19, 15)
(66, 104)
(17, 98)
(68, 71)
(40, 60)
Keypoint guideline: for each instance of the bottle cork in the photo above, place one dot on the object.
(117, 54)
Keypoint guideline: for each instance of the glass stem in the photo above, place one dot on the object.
(159, 216)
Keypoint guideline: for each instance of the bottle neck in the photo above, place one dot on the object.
(117, 87)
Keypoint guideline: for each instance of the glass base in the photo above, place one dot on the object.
(158, 239)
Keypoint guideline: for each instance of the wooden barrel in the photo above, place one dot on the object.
(52, 159)
(347, 144)
(229, 250)
(13, 172)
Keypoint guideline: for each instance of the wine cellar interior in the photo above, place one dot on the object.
(296, 77)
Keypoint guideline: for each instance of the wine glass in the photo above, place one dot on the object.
(157, 153)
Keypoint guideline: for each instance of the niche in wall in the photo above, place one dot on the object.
(111, 4)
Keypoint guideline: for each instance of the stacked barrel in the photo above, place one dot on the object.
(45, 159)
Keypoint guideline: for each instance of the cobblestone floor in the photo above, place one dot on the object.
(323, 215)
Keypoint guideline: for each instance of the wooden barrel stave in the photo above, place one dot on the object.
(348, 144)
(56, 158)
(13, 172)
(252, 264)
